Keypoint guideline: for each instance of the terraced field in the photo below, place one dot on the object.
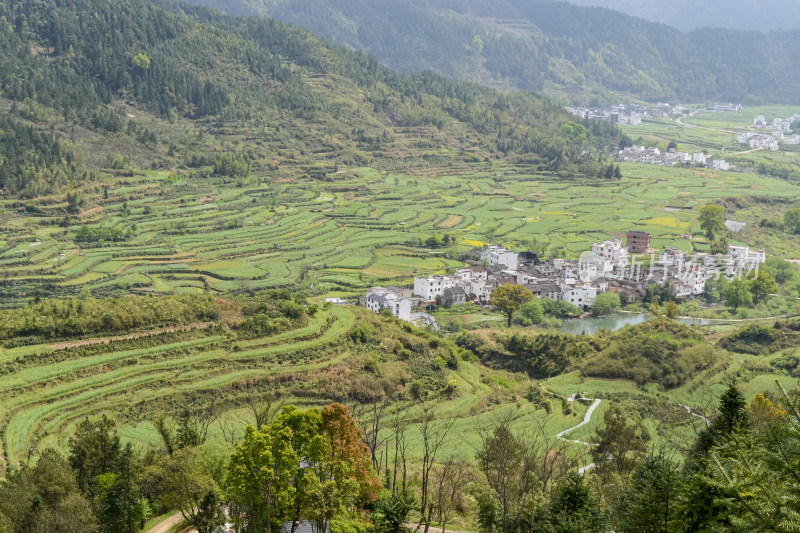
(50, 389)
(47, 389)
(362, 227)
(714, 133)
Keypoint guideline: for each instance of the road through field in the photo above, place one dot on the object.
(684, 124)
(586, 418)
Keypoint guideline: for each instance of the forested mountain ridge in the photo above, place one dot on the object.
(572, 52)
(93, 69)
(730, 14)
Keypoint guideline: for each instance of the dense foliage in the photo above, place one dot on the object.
(660, 350)
(50, 319)
(688, 15)
(571, 50)
(33, 162)
(92, 62)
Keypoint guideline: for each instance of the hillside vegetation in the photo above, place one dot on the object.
(573, 52)
(730, 14)
(131, 73)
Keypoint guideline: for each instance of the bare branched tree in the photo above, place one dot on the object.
(165, 426)
(433, 433)
(399, 424)
(231, 428)
(371, 419)
(548, 453)
(521, 466)
(264, 409)
(449, 482)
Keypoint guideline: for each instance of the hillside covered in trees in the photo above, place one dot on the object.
(103, 75)
(578, 53)
(730, 14)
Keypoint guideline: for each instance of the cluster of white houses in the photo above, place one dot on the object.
(611, 266)
(629, 114)
(672, 157)
(783, 125)
(724, 107)
(769, 136)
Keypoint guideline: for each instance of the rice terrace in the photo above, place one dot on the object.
(357, 229)
(254, 280)
(333, 237)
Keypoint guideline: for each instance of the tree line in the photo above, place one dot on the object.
(346, 471)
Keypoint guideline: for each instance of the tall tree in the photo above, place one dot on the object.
(121, 507)
(791, 220)
(449, 481)
(312, 450)
(575, 508)
(44, 499)
(183, 484)
(762, 286)
(503, 459)
(737, 293)
(433, 434)
(712, 219)
(619, 446)
(259, 481)
(94, 450)
(757, 476)
(731, 418)
(346, 446)
(649, 502)
(509, 298)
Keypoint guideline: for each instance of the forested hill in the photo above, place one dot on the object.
(730, 14)
(118, 73)
(578, 53)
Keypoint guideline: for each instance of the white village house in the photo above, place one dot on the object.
(497, 255)
(392, 299)
(575, 282)
(613, 251)
(430, 287)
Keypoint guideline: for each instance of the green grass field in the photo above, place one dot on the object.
(361, 228)
(357, 230)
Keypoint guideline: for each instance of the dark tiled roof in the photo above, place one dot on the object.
(377, 298)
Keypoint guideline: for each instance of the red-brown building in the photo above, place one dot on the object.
(638, 242)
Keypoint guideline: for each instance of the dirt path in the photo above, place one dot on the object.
(106, 340)
(166, 524)
(586, 418)
(687, 125)
(725, 320)
(748, 151)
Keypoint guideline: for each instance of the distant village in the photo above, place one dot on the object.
(670, 158)
(610, 266)
(629, 114)
(769, 136)
(634, 114)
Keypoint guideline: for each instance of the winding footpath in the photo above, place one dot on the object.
(688, 125)
(586, 418)
(692, 413)
(167, 524)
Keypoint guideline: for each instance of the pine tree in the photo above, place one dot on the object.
(575, 509)
(649, 503)
(732, 418)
